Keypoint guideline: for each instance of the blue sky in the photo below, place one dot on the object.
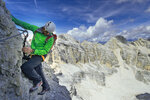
(80, 16)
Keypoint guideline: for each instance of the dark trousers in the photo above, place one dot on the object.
(32, 69)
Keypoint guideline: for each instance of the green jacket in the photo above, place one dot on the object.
(38, 42)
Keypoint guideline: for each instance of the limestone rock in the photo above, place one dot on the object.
(10, 55)
(97, 62)
(68, 50)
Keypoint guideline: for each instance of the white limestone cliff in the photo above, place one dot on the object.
(117, 70)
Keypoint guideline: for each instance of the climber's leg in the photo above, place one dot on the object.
(39, 70)
(28, 68)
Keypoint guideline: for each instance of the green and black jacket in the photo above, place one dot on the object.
(38, 44)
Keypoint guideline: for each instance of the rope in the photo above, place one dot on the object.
(25, 38)
(23, 31)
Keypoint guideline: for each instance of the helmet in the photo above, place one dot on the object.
(50, 27)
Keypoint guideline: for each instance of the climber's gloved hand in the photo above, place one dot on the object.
(27, 50)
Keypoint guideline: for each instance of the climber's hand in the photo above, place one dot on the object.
(27, 50)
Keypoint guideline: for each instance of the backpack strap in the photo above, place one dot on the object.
(48, 37)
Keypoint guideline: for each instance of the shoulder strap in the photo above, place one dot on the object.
(54, 36)
(48, 37)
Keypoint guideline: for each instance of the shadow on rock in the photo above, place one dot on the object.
(145, 96)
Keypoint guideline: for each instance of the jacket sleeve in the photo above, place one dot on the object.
(24, 24)
(46, 48)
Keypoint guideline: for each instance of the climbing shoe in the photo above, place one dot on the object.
(35, 87)
(44, 91)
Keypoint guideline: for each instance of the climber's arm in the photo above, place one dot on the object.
(24, 24)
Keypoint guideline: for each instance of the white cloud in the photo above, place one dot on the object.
(138, 32)
(122, 1)
(131, 1)
(148, 10)
(101, 31)
(91, 14)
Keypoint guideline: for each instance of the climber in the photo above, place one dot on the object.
(40, 46)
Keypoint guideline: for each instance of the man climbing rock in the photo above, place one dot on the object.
(40, 46)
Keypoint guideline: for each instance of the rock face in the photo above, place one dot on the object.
(10, 56)
(13, 85)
